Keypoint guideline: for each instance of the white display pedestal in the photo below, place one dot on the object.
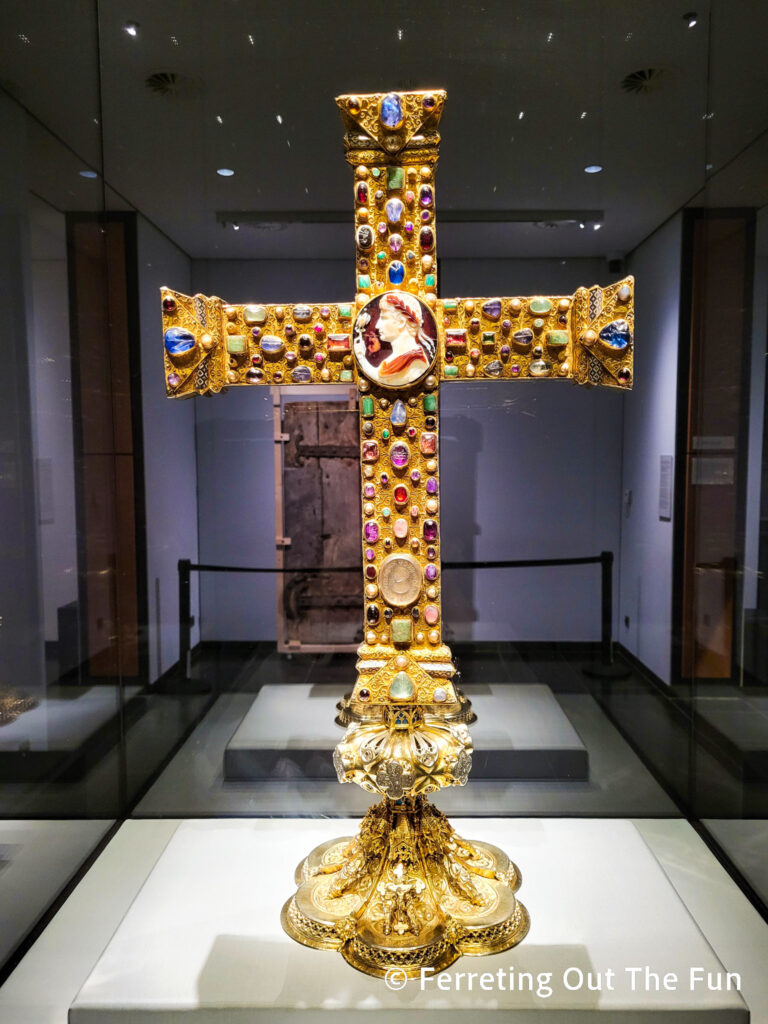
(202, 942)
(521, 732)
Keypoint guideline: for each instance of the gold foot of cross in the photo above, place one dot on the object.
(406, 892)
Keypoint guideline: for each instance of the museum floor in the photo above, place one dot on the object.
(664, 761)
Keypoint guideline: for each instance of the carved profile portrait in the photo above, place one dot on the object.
(395, 339)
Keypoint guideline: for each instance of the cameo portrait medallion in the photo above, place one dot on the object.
(395, 339)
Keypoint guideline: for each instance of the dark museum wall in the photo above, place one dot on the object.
(537, 472)
(170, 462)
(650, 411)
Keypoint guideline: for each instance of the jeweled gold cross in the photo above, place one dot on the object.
(407, 892)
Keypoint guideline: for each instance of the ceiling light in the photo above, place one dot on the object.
(690, 19)
(582, 115)
(24, 38)
(708, 167)
(235, 227)
(174, 40)
(596, 227)
(131, 28)
(521, 115)
(550, 36)
(250, 40)
(708, 116)
(582, 225)
(225, 172)
(88, 174)
(279, 118)
(399, 34)
(593, 168)
(220, 119)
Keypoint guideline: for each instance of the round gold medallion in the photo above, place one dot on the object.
(400, 580)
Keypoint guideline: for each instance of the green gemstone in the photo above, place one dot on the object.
(394, 177)
(345, 376)
(451, 371)
(385, 434)
(237, 344)
(345, 312)
(401, 631)
(363, 282)
(386, 513)
(430, 403)
(381, 256)
(450, 305)
(489, 337)
(402, 687)
(540, 305)
(556, 339)
(367, 406)
(376, 172)
(429, 281)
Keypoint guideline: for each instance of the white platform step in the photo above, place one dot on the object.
(521, 733)
(202, 942)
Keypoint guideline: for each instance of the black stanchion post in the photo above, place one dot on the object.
(185, 619)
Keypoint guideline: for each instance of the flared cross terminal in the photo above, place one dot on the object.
(407, 892)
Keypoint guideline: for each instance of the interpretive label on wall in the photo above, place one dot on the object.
(666, 475)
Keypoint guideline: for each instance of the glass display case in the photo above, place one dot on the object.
(326, 461)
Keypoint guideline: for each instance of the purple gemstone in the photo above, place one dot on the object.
(408, 227)
(425, 216)
(429, 529)
(431, 553)
(415, 476)
(369, 490)
(384, 479)
(371, 532)
(399, 455)
(173, 380)
(431, 486)
(431, 572)
(256, 333)
(425, 195)
(504, 350)
(370, 554)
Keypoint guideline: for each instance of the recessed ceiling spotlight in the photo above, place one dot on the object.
(235, 227)
(582, 225)
(219, 119)
(593, 168)
(279, 118)
(550, 36)
(708, 167)
(88, 174)
(690, 19)
(131, 28)
(250, 40)
(225, 172)
(582, 115)
(521, 115)
(596, 227)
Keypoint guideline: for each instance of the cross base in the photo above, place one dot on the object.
(406, 893)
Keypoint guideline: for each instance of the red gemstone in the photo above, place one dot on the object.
(362, 192)
(169, 305)
(426, 239)
(401, 495)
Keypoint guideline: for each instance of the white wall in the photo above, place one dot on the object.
(528, 470)
(650, 412)
(51, 395)
(170, 465)
(756, 411)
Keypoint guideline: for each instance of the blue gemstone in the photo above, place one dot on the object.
(399, 414)
(396, 272)
(391, 111)
(271, 345)
(492, 309)
(394, 210)
(616, 334)
(301, 375)
(178, 341)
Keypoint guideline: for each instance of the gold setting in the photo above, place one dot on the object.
(406, 891)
